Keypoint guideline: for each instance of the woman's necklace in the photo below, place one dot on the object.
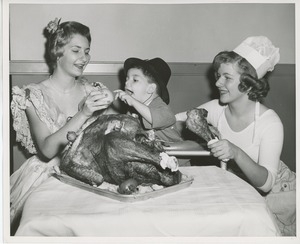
(55, 88)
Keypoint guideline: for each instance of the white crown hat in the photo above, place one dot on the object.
(260, 53)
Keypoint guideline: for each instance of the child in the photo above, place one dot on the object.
(147, 94)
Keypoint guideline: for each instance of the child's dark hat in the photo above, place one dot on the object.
(158, 68)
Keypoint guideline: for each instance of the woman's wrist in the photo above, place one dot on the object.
(238, 154)
(77, 121)
(82, 115)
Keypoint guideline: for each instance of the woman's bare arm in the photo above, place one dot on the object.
(51, 144)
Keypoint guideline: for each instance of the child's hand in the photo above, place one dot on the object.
(123, 96)
(117, 93)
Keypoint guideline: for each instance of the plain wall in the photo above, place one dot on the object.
(190, 86)
(175, 32)
(190, 34)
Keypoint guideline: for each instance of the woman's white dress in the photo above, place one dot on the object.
(34, 171)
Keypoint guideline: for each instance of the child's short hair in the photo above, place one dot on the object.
(151, 79)
(157, 70)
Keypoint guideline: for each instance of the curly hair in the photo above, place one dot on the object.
(56, 40)
(256, 88)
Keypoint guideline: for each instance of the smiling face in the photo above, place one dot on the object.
(228, 80)
(138, 86)
(75, 57)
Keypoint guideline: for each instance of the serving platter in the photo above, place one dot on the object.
(185, 182)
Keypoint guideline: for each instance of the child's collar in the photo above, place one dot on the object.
(147, 102)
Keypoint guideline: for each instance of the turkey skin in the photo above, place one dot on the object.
(114, 148)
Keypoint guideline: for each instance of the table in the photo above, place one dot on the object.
(217, 203)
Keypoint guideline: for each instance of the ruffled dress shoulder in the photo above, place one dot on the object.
(34, 171)
(49, 113)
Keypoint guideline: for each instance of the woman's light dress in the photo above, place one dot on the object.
(34, 171)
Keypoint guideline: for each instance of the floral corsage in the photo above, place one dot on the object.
(53, 25)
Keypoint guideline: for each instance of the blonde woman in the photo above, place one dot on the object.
(251, 133)
(44, 112)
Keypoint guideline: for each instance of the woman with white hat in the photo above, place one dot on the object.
(251, 134)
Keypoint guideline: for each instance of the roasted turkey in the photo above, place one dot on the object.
(114, 148)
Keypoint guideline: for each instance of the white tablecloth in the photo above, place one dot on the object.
(218, 203)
